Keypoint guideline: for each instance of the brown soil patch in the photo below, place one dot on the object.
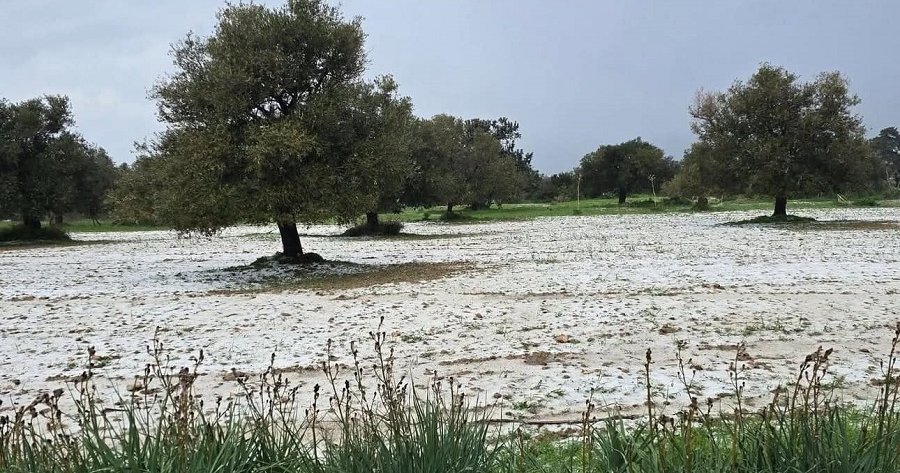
(31, 245)
(828, 225)
(363, 276)
(390, 274)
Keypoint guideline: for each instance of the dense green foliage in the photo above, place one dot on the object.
(633, 166)
(557, 187)
(269, 120)
(887, 148)
(46, 169)
(19, 233)
(774, 135)
(462, 162)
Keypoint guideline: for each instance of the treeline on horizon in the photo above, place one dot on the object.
(269, 119)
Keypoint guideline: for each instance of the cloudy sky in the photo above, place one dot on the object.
(574, 73)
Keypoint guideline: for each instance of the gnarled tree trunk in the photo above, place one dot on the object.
(290, 239)
(780, 206)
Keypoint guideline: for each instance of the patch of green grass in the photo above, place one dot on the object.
(867, 202)
(455, 217)
(636, 204)
(88, 226)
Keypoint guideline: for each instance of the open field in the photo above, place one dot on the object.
(637, 204)
(536, 314)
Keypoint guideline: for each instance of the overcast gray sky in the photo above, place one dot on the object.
(574, 73)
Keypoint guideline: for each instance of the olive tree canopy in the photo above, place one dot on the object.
(269, 120)
(779, 136)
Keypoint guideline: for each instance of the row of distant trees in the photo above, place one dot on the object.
(270, 119)
(46, 168)
(772, 135)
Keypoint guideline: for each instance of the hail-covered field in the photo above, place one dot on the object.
(550, 312)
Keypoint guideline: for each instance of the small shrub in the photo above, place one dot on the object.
(454, 217)
(23, 233)
(677, 200)
(867, 202)
(702, 204)
(643, 204)
(383, 228)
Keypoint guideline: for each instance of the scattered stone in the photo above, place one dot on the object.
(666, 329)
(135, 386)
(234, 375)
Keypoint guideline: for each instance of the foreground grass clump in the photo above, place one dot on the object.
(29, 234)
(350, 426)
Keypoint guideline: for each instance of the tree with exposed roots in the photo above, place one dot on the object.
(269, 119)
(780, 137)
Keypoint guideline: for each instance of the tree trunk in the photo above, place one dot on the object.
(622, 195)
(58, 219)
(290, 239)
(449, 208)
(31, 221)
(372, 220)
(780, 206)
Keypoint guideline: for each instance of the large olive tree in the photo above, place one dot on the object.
(779, 136)
(269, 120)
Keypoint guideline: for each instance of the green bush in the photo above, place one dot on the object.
(702, 204)
(454, 217)
(867, 202)
(643, 204)
(677, 201)
(23, 233)
(383, 228)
